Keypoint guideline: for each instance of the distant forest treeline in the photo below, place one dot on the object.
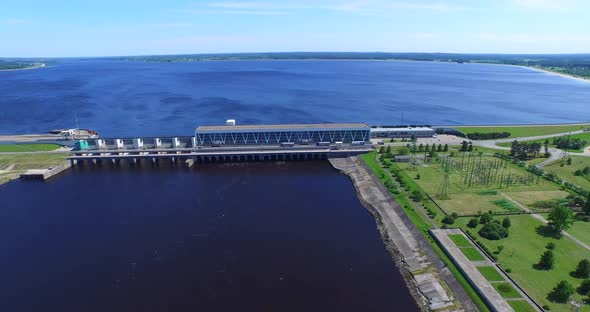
(573, 64)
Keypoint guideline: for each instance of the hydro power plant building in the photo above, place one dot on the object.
(230, 134)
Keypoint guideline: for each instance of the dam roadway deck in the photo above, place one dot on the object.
(217, 154)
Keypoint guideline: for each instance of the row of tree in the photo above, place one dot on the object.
(569, 143)
(488, 135)
(523, 150)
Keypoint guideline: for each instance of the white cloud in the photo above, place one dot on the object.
(549, 4)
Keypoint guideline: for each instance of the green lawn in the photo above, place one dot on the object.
(472, 254)
(18, 163)
(522, 250)
(581, 231)
(490, 273)
(460, 240)
(28, 147)
(524, 131)
(521, 306)
(506, 290)
(469, 201)
(567, 171)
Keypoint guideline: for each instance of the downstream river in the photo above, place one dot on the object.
(225, 237)
(125, 98)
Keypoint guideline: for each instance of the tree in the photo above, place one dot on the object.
(546, 147)
(404, 150)
(464, 146)
(486, 217)
(470, 148)
(569, 161)
(547, 260)
(417, 195)
(473, 222)
(561, 218)
(381, 150)
(587, 205)
(439, 148)
(584, 288)
(446, 148)
(583, 269)
(388, 151)
(493, 230)
(421, 147)
(506, 222)
(448, 219)
(562, 292)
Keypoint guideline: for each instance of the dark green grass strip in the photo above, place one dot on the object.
(490, 273)
(460, 240)
(506, 290)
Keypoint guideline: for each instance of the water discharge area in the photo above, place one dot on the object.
(270, 236)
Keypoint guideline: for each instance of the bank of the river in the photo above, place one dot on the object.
(40, 65)
(431, 284)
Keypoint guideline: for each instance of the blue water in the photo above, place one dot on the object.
(143, 98)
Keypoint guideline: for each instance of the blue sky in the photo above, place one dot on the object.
(132, 27)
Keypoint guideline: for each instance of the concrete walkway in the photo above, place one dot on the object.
(484, 287)
(408, 252)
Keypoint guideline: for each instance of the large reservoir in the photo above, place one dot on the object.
(222, 237)
(126, 98)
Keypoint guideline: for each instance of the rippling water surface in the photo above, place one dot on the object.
(242, 237)
(148, 98)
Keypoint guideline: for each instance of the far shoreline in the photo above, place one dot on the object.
(37, 66)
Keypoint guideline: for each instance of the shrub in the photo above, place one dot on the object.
(562, 292)
(550, 246)
(547, 260)
(448, 219)
(485, 218)
(506, 223)
(417, 195)
(583, 269)
(584, 288)
(546, 307)
(473, 222)
(493, 230)
(509, 270)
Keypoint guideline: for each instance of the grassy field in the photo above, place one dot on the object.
(12, 165)
(581, 136)
(472, 254)
(524, 131)
(567, 171)
(529, 198)
(28, 147)
(521, 306)
(581, 231)
(522, 250)
(424, 226)
(468, 201)
(460, 240)
(490, 273)
(506, 290)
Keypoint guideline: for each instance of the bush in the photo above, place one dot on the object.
(506, 223)
(583, 269)
(473, 222)
(562, 292)
(448, 219)
(546, 307)
(417, 195)
(547, 260)
(486, 217)
(584, 288)
(509, 270)
(493, 230)
(550, 246)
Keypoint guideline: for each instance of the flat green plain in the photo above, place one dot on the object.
(28, 147)
(521, 306)
(567, 171)
(460, 240)
(524, 131)
(490, 273)
(581, 136)
(506, 290)
(472, 254)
